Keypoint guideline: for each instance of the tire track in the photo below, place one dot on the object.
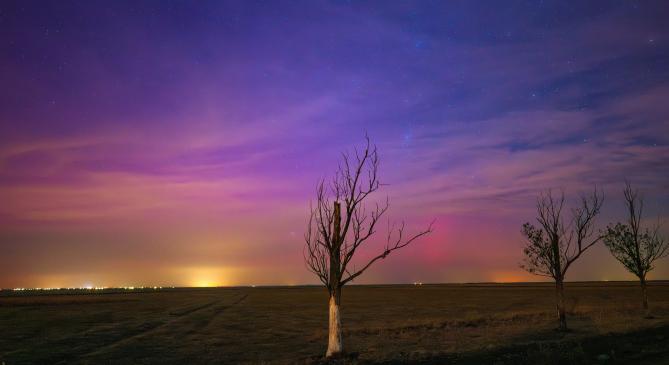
(221, 310)
(180, 317)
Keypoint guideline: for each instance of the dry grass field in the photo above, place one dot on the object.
(429, 324)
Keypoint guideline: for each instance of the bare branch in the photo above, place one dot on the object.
(390, 247)
(334, 235)
(553, 246)
(632, 245)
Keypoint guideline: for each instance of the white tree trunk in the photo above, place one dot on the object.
(334, 337)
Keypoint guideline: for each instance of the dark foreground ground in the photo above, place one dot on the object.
(429, 324)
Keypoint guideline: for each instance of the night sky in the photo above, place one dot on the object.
(179, 143)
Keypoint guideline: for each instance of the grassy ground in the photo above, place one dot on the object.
(430, 324)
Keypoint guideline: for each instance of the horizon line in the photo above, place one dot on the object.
(167, 287)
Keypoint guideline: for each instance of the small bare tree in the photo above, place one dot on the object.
(340, 223)
(636, 248)
(553, 246)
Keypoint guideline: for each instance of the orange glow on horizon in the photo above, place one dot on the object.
(511, 277)
(208, 276)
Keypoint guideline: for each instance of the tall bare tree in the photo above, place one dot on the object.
(636, 248)
(553, 246)
(341, 223)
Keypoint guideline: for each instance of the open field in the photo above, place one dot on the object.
(479, 323)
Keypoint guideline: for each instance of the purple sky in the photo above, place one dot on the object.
(179, 143)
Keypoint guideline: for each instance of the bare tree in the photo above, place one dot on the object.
(341, 223)
(553, 246)
(636, 248)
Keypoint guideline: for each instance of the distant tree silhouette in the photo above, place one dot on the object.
(636, 248)
(340, 223)
(553, 246)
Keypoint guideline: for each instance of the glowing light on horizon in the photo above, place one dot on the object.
(91, 288)
(208, 277)
(510, 277)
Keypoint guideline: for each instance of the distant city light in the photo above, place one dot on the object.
(93, 288)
